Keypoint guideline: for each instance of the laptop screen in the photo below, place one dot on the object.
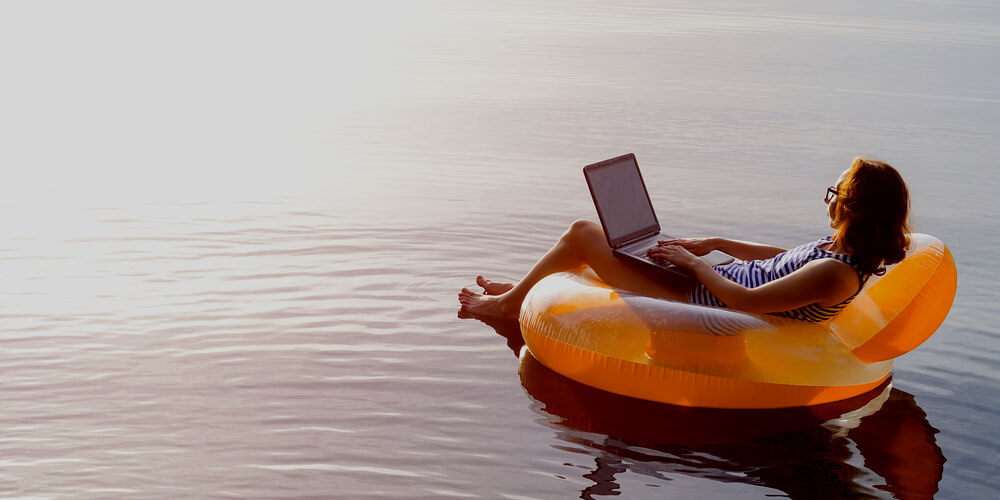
(621, 198)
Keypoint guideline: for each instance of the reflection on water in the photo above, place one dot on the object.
(861, 447)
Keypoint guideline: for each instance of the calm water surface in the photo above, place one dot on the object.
(234, 233)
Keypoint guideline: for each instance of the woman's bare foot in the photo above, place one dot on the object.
(487, 305)
(493, 287)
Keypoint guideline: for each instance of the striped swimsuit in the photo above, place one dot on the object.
(754, 273)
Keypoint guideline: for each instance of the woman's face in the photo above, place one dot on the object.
(836, 199)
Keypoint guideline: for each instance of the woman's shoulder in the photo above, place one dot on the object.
(842, 277)
(832, 266)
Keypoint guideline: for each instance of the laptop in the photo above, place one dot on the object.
(627, 215)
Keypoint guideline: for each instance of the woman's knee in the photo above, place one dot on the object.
(585, 234)
(583, 230)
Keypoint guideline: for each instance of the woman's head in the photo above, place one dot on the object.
(870, 214)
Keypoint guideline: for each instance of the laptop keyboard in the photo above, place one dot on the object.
(641, 253)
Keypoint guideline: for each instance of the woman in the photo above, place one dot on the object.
(868, 209)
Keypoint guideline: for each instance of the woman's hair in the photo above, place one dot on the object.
(871, 215)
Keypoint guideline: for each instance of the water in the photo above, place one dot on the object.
(234, 234)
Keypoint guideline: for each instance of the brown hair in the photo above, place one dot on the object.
(871, 215)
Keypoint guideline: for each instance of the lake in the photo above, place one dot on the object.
(235, 232)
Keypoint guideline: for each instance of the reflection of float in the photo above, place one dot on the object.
(692, 355)
(853, 448)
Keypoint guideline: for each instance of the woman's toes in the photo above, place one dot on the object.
(492, 287)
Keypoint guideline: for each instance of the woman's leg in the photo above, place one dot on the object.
(583, 243)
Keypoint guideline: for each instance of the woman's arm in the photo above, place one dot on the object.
(743, 250)
(826, 281)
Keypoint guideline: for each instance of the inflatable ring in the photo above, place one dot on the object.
(693, 355)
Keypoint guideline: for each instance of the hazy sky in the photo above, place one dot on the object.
(144, 97)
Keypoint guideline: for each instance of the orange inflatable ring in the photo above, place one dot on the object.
(693, 355)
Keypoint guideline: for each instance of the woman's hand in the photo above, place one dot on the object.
(676, 254)
(697, 246)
